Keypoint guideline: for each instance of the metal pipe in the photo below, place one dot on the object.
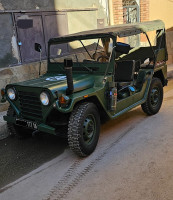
(151, 48)
(68, 63)
(57, 10)
(111, 16)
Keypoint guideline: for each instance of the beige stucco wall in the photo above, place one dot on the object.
(162, 9)
(83, 20)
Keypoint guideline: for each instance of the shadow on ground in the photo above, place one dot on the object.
(19, 157)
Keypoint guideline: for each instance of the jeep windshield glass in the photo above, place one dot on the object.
(82, 51)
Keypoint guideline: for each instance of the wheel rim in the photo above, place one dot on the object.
(89, 128)
(155, 96)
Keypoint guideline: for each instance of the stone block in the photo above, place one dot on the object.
(4, 106)
(5, 73)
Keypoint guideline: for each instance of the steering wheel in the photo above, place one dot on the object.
(102, 57)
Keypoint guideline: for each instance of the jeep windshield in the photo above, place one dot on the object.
(87, 55)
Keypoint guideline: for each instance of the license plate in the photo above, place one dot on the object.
(26, 123)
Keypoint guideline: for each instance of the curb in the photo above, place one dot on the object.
(3, 126)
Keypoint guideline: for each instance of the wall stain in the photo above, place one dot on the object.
(7, 60)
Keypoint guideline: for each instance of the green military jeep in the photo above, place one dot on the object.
(90, 76)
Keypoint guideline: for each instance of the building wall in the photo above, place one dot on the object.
(144, 10)
(81, 16)
(169, 40)
(83, 20)
(8, 53)
(117, 7)
(26, 5)
(163, 9)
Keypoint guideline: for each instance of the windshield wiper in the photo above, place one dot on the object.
(82, 64)
(87, 68)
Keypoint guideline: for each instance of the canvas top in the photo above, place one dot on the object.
(121, 30)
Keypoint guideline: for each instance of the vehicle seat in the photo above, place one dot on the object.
(124, 71)
(137, 68)
(140, 80)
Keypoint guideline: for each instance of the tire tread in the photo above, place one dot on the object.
(146, 106)
(74, 127)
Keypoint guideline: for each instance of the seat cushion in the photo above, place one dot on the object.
(124, 71)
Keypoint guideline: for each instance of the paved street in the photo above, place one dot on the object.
(133, 161)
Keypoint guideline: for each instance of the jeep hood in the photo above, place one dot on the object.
(59, 82)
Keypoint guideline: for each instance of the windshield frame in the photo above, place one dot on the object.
(78, 39)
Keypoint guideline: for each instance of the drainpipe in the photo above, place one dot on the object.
(111, 15)
(139, 7)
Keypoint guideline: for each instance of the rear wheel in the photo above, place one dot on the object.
(13, 129)
(84, 129)
(155, 98)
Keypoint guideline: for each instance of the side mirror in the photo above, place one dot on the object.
(122, 47)
(38, 47)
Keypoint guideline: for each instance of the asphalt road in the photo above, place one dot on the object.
(18, 157)
(45, 168)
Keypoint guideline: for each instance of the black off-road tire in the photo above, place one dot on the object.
(151, 107)
(14, 130)
(84, 118)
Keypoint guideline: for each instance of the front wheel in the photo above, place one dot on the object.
(84, 129)
(155, 98)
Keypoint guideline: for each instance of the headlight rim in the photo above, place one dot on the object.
(48, 96)
(14, 93)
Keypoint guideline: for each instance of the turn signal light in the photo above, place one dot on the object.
(62, 100)
(85, 96)
(3, 99)
(2, 92)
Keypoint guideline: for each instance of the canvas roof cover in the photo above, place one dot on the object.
(121, 30)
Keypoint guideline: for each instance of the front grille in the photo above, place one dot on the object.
(30, 105)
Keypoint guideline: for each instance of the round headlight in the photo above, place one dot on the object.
(44, 98)
(11, 93)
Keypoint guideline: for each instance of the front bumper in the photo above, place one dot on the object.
(40, 127)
